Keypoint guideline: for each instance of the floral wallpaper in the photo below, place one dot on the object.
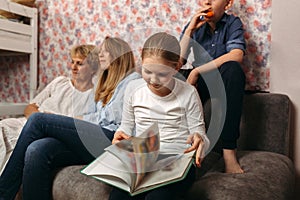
(65, 23)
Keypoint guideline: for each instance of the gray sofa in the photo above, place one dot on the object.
(264, 154)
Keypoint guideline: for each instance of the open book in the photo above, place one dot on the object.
(136, 165)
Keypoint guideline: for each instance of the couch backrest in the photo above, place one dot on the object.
(265, 123)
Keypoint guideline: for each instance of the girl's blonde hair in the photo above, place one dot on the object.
(162, 45)
(121, 65)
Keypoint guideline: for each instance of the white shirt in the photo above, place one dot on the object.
(61, 97)
(178, 114)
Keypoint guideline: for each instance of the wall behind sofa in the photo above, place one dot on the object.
(64, 23)
(285, 70)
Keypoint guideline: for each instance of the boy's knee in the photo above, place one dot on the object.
(233, 71)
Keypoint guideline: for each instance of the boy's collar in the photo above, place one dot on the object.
(223, 20)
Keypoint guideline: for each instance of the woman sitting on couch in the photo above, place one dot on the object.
(49, 141)
(64, 96)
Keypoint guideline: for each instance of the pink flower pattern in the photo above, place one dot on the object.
(63, 24)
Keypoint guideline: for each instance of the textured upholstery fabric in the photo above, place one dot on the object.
(267, 176)
(263, 154)
(71, 185)
(265, 123)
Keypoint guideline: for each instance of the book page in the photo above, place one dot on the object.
(139, 154)
(175, 171)
(107, 166)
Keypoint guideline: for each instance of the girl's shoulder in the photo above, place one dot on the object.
(137, 83)
(184, 89)
(184, 85)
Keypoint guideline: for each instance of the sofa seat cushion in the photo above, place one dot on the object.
(267, 176)
(70, 184)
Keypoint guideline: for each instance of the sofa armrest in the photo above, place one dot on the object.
(265, 123)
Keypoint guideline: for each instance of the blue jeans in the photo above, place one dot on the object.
(46, 143)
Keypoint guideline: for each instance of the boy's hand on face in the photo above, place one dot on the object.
(118, 136)
(198, 145)
(197, 21)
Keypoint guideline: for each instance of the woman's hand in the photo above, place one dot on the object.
(198, 145)
(118, 136)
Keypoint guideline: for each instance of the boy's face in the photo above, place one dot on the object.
(158, 74)
(217, 6)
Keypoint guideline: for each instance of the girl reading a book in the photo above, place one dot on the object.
(173, 104)
(50, 141)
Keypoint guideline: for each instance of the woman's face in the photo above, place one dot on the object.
(158, 74)
(104, 58)
(81, 70)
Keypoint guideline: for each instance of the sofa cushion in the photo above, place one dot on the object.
(265, 123)
(70, 184)
(267, 176)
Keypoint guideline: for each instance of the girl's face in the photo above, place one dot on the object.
(158, 74)
(104, 58)
(81, 70)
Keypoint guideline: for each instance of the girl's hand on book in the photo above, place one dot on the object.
(197, 144)
(118, 136)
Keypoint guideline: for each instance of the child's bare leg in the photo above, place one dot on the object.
(231, 163)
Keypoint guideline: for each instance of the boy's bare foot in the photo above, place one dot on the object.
(231, 163)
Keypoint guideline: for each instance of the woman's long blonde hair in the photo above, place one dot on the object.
(121, 65)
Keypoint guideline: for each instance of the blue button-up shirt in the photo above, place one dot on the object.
(207, 45)
(109, 116)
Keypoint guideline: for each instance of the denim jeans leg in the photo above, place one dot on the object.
(42, 157)
(85, 139)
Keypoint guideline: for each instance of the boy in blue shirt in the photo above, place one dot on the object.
(218, 43)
